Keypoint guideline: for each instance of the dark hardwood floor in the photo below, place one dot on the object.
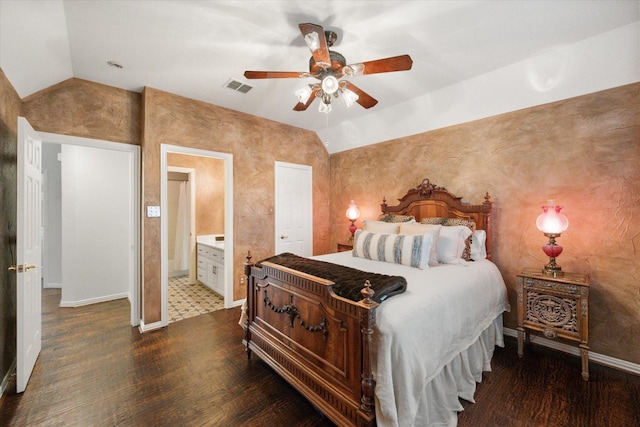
(95, 370)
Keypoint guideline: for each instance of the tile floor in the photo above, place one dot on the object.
(187, 300)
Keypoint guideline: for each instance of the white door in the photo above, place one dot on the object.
(294, 209)
(28, 252)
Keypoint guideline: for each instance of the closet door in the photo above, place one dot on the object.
(293, 209)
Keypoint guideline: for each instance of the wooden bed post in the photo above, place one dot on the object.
(383, 205)
(487, 222)
(367, 321)
(248, 304)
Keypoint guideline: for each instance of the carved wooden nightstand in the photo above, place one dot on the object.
(556, 306)
(343, 247)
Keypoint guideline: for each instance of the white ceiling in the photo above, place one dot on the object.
(191, 48)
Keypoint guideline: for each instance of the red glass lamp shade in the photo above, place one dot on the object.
(353, 213)
(552, 223)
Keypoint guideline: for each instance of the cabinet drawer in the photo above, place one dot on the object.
(212, 254)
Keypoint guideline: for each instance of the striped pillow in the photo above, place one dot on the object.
(411, 250)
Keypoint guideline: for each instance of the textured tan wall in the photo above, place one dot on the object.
(210, 186)
(256, 144)
(81, 108)
(10, 104)
(90, 110)
(584, 152)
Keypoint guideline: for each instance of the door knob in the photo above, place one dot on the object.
(284, 236)
(21, 268)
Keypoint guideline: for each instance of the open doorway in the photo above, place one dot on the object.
(91, 221)
(196, 209)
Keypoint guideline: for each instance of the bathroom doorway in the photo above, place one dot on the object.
(195, 207)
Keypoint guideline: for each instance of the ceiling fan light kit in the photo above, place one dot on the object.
(330, 84)
(329, 67)
(324, 107)
(303, 94)
(349, 96)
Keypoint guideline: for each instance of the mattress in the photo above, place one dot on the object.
(430, 339)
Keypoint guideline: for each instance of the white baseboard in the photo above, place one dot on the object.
(602, 359)
(178, 273)
(239, 302)
(150, 327)
(52, 286)
(94, 300)
(7, 377)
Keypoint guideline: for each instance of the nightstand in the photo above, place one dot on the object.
(343, 247)
(556, 306)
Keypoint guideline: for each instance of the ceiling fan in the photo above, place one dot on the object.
(330, 67)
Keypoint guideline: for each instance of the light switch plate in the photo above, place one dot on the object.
(153, 211)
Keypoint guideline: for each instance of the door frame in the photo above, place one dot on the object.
(134, 150)
(165, 149)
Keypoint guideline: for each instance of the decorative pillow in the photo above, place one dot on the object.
(393, 248)
(380, 226)
(422, 229)
(451, 244)
(466, 254)
(433, 220)
(455, 221)
(478, 245)
(396, 218)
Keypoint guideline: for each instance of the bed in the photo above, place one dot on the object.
(399, 359)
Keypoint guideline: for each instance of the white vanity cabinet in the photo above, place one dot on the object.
(211, 267)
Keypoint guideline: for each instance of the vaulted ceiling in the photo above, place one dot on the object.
(193, 48)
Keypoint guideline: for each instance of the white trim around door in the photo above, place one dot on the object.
(228, 223)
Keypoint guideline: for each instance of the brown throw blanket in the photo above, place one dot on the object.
(348, 281)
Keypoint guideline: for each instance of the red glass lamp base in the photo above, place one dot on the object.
(352, 229)
(552, 250)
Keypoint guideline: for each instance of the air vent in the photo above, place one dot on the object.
(238, 86)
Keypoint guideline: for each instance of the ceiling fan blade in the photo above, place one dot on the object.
(396, 63)
(301, 107)
(276, 74)
(364, 99)
(314, 37)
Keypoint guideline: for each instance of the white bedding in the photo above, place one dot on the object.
(427, 332)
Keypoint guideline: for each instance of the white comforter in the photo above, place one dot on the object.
(442, 313)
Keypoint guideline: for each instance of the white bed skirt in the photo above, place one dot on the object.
(439, 403)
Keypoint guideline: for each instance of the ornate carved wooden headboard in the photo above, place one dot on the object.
(428, 200)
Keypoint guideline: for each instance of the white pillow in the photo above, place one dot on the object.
(478, 245)
(394, 248)
(380, 226)
(432, 230)
(451, 244)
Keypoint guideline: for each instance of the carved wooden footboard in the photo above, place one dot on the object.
(316, 340)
